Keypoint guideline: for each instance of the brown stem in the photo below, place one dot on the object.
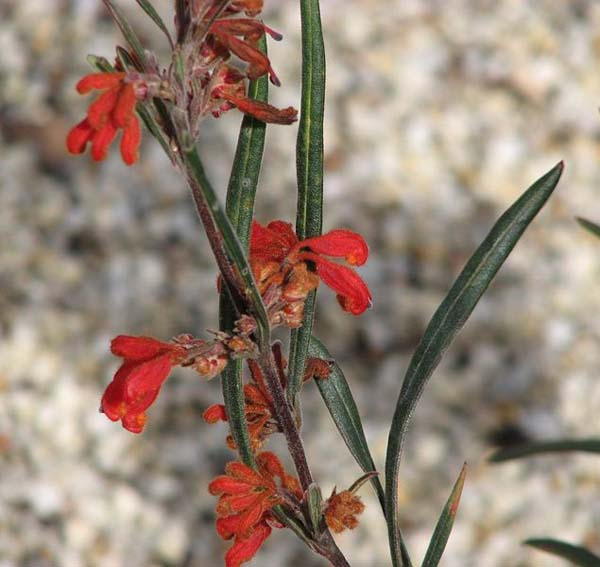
(216, 243)
(284, 416)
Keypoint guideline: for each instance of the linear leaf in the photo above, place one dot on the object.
(589, 226)
(341, 405)
(155, 17)
(576, 554)
(127, 31)
(99, 63)
(309, 171)
(444, 525)
(239, 207)
(249, 300)
(448, 320)
(546, 447)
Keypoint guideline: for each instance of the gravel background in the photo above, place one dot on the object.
(438, 115)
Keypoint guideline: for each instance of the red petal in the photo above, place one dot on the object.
(147, 377)
(130, 142)
(99, 111)
(123, 110)
(79, 136)
(215, 413)
(340, 243)
(251, 517)
(135, 423)
(99, 81)
(101, 140)
(353, 294)
(228, 527)
(138, 348)
(226, 485)
(230, 504)
(270, 464)
(113, 401)
(272, 242)
(244, 472)
(141, 403)
(245, 549)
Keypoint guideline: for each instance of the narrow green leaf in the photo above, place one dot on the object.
(309, 171)
(154, 16)
(546, 447)
(440, 536)
(576, 554)
(589, 226)
(250, 301)
(182, 19)
(239, 207)
(243, 180)
(341, 405)
(448, 320)
(127, 31)
(100, 63)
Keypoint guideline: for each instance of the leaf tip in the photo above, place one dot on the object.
(457, 491)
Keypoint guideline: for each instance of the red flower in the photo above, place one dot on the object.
(114, 109)
(229, 85)
(278, 243)
(146, 365)
(246, 498)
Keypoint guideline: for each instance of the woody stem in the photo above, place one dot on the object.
(284, 415)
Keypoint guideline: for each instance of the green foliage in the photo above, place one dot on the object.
(445, 324)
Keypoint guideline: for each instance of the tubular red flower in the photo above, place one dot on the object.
(136, 384)
(245, 549)
(114, 109)
(277, 243)
(272, 242)
(246, 498)
(263, 111)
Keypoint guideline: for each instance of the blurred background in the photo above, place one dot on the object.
(439, 114)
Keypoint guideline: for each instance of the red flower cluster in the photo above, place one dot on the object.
(113, 110)
(246, 498)
(293, 267)
(146, 365)
(229, 35)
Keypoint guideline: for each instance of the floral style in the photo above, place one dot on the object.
(282, 261)
(112, 111)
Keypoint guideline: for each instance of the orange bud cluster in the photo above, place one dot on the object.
(246, 499)
(341, 511)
